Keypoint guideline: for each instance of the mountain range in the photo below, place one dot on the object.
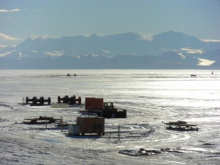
(168, 50)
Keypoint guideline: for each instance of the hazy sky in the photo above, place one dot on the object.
(20, 19)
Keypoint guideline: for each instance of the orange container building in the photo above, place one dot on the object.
(91, 125)
(94, 103)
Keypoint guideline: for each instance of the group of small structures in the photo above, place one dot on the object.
(88, 124)
(69, 75)
(194, 75)
(92, 105)
(177, 125)
(91, 124)
(84, 125)
(41, 101)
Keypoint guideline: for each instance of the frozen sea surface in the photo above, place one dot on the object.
(150, 97)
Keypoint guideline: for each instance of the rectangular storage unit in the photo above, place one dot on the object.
(91, 125)
(94, 103)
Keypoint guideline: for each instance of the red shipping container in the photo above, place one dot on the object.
(94, 103)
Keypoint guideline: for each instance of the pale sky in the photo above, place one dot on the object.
(20, 19)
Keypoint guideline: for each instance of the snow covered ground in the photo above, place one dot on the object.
(150, 97)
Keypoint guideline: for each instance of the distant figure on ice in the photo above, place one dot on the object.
(212, 72)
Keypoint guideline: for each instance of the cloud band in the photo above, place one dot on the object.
(6, 37)
(9, 11)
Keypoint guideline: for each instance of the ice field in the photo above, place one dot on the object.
(150, 97)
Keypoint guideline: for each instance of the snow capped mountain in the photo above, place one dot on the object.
(129, 50)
